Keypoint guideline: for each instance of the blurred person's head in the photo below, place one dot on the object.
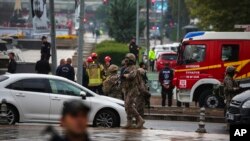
(74, 118)
(94, 56)
(11, 55)
(62, 62)
(107, 60)
(133, 40)
(131, 59)
(38, 7)
(113, 69)
(153, 48)
(124, 62)
(167, 65)
(69, 61)
(44, 39)
(142, 65)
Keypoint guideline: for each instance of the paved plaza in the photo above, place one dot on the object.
(32, 132)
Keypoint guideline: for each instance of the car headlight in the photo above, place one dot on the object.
(246, 104)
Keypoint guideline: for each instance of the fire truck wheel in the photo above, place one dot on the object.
(209, 100)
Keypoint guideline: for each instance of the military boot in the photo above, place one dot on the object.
(129, 125)
(140, 122)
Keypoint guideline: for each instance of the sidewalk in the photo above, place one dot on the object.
(33, 132)
(174, 113)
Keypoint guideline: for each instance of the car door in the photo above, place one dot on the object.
(33, 98)
(62, 91)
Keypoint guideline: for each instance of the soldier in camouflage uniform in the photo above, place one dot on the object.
(111, 84)
(144, 93)
(131, 87)
(230, 85)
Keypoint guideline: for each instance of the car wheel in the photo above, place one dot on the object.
(107, 119)
(12, 115)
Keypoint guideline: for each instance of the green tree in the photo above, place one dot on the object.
(221, 14)
(171, 16)
(121, 20)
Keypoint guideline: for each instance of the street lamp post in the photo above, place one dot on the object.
(53, 36)
(179, 19)
(162, 24)
(137, 22)
(148, 42)
(80, 43)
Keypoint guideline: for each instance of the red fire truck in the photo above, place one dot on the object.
(202, 60)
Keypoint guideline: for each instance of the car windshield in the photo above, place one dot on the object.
(2, 78)
(194, 53)
(169, 56)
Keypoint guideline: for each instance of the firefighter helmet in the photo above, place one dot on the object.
(94, 55)
(131, 57)
(89, 59)
(230, 69)
(107, 59)
(113, 68)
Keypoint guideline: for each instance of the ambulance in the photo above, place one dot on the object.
(202, 60)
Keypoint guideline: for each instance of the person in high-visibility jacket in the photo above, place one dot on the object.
(96, 75)
(152, 57)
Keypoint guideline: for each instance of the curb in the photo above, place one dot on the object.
(174, 117)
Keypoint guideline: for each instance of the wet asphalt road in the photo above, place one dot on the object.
(156, 131)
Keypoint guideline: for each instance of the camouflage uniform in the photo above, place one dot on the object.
(140, 100)
(131, 89)
(230, 85)
(230, 88)
(111, 84)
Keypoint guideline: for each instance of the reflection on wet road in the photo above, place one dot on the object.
(33, 133)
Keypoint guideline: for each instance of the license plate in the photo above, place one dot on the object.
(230, 117)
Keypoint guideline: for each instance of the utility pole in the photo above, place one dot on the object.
(178, 25)
(80, 43)
(148, 42)
(138, 23)
(162, 24)
(53, 36)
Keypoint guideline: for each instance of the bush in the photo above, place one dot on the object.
(115, 50)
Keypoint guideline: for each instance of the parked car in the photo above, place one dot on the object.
(239, 109)
(155, 34)
(40, 98)
(166, 57)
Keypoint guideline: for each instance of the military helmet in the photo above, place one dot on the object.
(113, 68)
(230, 69)
(131, 57)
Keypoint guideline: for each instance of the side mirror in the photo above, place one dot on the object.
(83, 95)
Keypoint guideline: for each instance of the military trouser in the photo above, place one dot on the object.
(130, 99)
(228, 99)
(140, 104)
(164, 94)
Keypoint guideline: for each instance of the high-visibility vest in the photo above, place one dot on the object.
(94, 72)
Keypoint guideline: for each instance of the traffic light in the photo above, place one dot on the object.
(153, 2)
(105, 2)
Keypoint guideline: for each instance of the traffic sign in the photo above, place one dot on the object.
(243, 26)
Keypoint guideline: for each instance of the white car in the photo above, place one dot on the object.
(40, 98)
